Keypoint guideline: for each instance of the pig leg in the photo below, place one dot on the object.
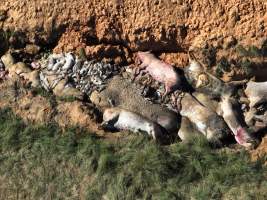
(176, 98)
(137, 71)
(141, 73)
(167, 91)
(149, 80)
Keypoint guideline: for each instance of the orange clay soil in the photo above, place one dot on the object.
(116, 28)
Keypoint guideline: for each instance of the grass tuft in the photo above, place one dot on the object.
(42, 162)
(242, 51)
(252, 51)
(209, 55)
(247, 66)
(222, 67)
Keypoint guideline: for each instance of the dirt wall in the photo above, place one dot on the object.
(120, 27)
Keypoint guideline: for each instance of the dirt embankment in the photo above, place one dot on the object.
(113, 29)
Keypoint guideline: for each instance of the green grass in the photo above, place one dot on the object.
(4, 37)
(50, 96)
(209, 54)
(67, 99)
(224, 64)
(247, 66)
(252, 51)
(82, 54)
(40, 91)
(42, 162)
(222, 67)
(264, 48)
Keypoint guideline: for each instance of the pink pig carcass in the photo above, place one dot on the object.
(159, 70)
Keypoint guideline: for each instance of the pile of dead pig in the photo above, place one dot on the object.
(154, 98)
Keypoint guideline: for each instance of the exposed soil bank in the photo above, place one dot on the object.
(117, 28)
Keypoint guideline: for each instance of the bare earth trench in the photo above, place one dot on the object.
(113, 30)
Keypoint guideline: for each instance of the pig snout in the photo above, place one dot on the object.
(244, 139)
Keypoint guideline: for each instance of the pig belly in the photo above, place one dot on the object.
(157, 73)
(162, 72)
